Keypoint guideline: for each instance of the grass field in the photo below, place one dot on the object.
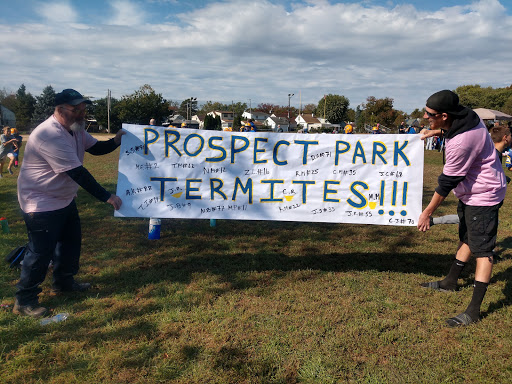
(257, 302)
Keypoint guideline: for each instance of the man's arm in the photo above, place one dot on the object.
(424, 219)
(83, 178)
(425, 133)
(107, 146)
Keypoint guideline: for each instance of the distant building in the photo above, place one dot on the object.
(277, 124)
(308, 121)
(292, 125)
(413, 123)
(7, 117)
(174, 120)
(226, 119)
(257, 116)
(200, 120)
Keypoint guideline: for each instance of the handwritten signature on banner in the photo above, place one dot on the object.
(186, 173)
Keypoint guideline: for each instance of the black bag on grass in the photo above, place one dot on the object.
(15, 257)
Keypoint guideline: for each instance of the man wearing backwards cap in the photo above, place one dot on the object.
(51, 172)
(476, 176)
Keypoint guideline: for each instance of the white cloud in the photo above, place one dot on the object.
(126, 13)
(262, 51)
(57, 12)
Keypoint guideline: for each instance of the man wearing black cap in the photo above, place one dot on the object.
(51, 172)
(475, 174)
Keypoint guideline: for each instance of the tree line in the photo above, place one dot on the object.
(145, 104)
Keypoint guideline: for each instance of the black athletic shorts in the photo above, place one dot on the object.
(478, 228)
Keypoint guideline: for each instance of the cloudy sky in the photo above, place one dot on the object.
(257, 51)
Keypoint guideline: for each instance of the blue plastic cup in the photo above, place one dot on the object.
(154, 229)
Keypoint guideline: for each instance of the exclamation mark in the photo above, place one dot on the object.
(381, 199)
(404, 198)
(404, 194)
(382, 187)
(393, 197)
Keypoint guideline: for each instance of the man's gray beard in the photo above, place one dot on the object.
(78, 126)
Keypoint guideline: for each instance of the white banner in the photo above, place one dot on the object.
(197, 174)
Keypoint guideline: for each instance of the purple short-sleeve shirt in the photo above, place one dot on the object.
(51, 150)
(472, 154)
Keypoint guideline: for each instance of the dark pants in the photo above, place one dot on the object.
(478, 228)
(54, 235)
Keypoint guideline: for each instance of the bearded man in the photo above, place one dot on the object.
(48, 182)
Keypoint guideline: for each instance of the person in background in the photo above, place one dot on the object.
(7, 145)
(252, 125)
(411, 130)
(402, 128)
(49, 178)
(474, 173)
(19, 140)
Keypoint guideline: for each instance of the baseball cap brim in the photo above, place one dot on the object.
(79, 101)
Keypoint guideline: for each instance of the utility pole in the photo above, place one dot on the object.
(109, 94)
(325, 103)
(289, 97)
(189, 104)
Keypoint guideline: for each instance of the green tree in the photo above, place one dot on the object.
(9, 102)
(188, 108)
(238, 108)
(24, 107)
(474, 96)
(351, 115)
(334, 107)
(309, 108)
(100, 113)
(379, 111)
(209, 123)
(211, 106)
(270, 108)
(141, 106)
(402, 116)
(417, 114)
(45, 105)
(4, 93)
(237, 122)
(212, 123)
(470, 95)
(218, 123)
(507, 107)
(496, 98)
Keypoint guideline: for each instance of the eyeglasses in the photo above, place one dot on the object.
(76, 111)
(430, 114)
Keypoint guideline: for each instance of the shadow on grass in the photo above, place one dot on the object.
(507, 291)
(231, 249)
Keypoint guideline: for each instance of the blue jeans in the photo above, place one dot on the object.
(53, 235)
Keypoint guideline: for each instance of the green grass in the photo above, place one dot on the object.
(257, 302)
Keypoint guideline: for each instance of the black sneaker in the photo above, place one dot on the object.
(461, 320)
(435, 285)
(75, 287)
(32, 310)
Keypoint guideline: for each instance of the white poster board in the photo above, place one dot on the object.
(338, 178)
